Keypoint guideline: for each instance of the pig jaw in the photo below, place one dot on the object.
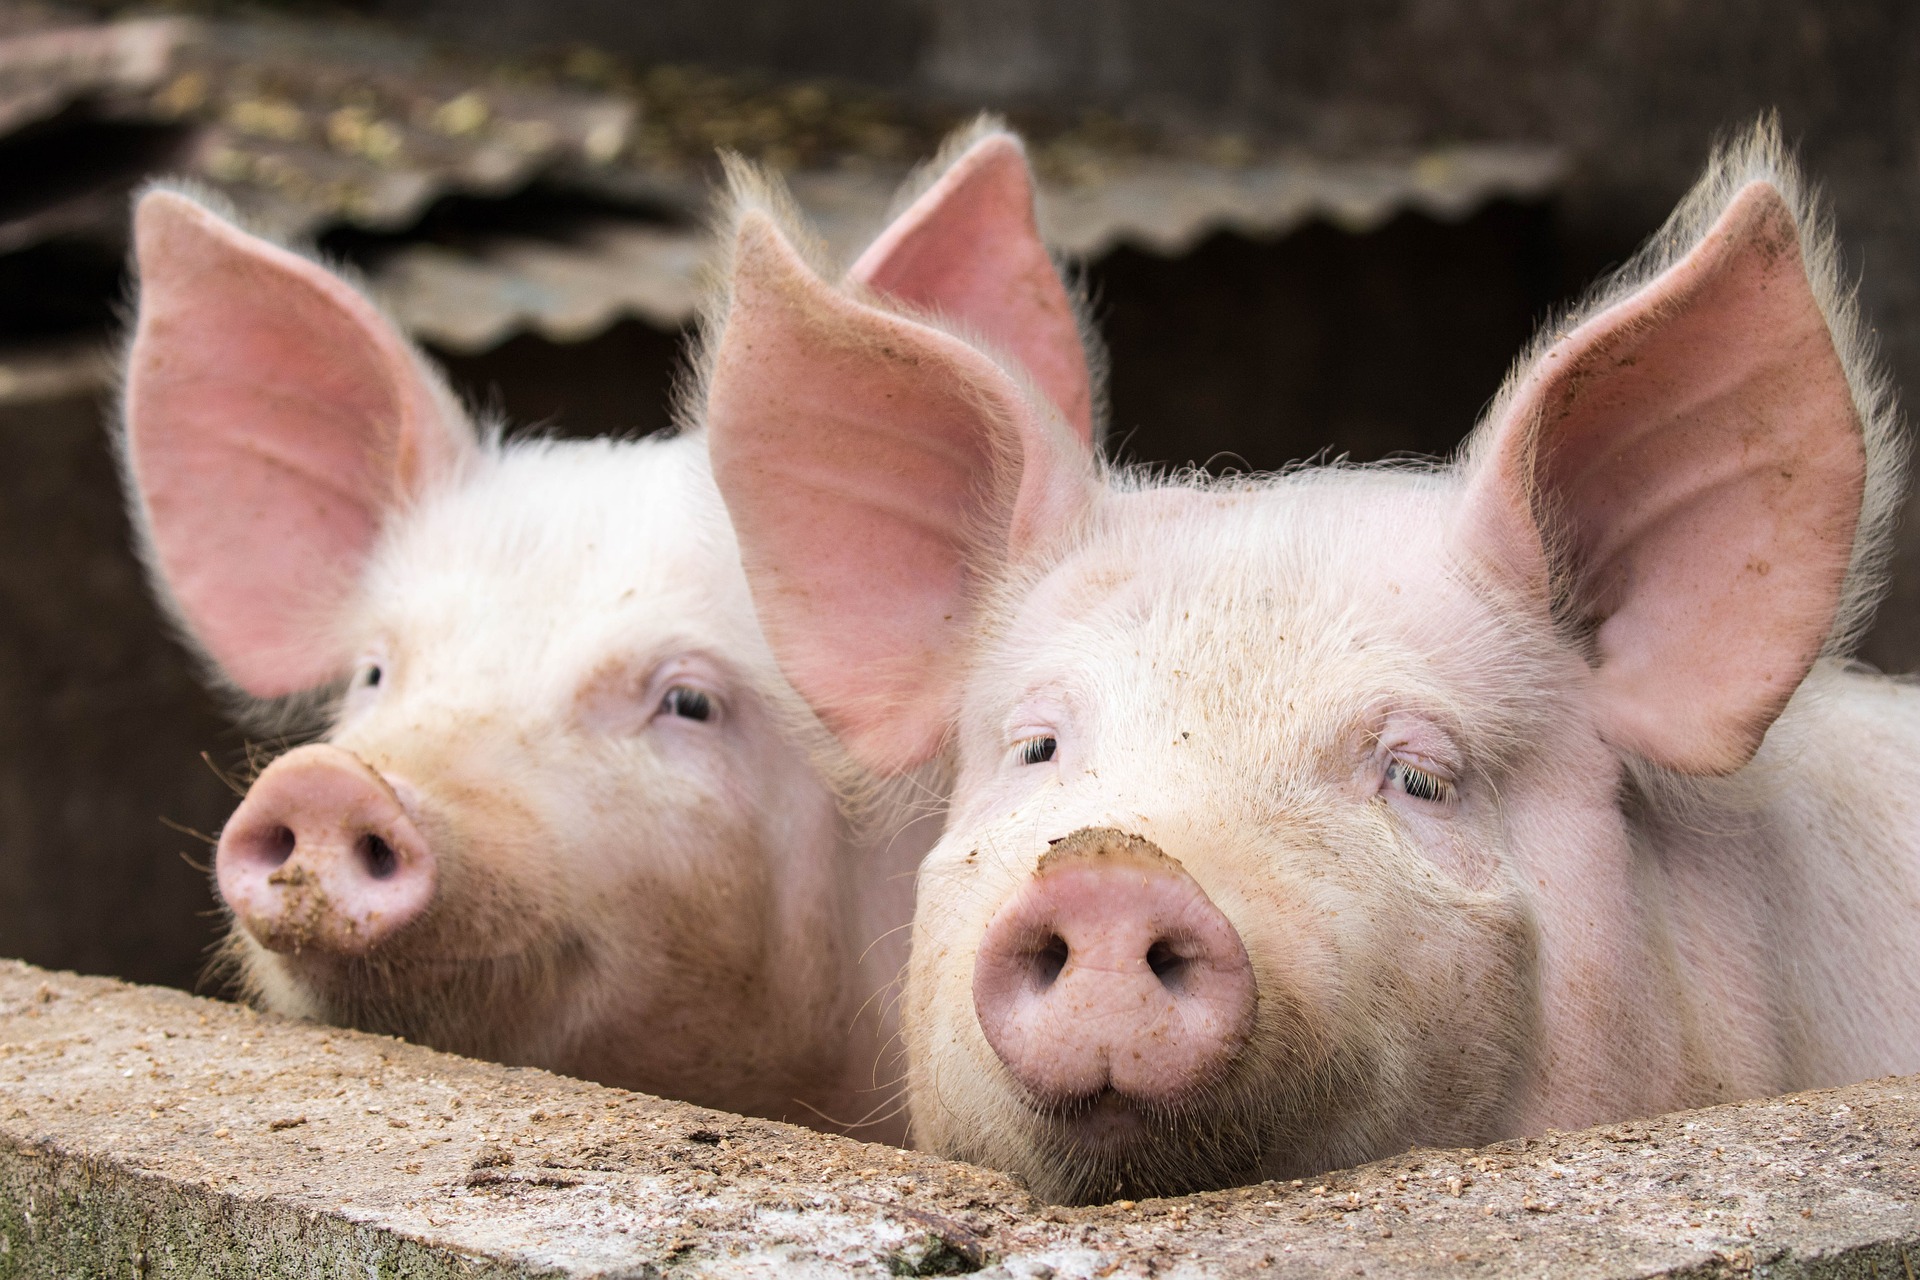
(664, 908)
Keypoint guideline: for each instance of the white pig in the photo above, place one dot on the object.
(1301, 818)
(563, 811)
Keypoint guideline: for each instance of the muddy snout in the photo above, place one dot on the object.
(321, 856)
(1112, 969)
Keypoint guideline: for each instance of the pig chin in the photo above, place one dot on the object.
(1109, 1146)
(1276, 1112)
(488, 1006)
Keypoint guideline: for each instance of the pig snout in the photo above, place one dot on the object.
(321, 856)
(1112, 969)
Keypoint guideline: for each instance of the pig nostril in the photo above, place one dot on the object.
(1167, 964)
(280, 844)
(1049, 960)
(379, 856)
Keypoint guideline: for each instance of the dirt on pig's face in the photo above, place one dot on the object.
(561, 681)
(1295, 696)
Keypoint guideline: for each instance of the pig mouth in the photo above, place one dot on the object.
(1108, 1146)
(487, 1005)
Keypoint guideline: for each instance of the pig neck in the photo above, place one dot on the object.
(1789, 895)
(1733, 938)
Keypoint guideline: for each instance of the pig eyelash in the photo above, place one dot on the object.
(1419, 783)
(687, 702)
(1038, 750)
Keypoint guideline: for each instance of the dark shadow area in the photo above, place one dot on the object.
(105, 720)
(537, 211)
(615, 384)
(63, 215)
(1248, 355)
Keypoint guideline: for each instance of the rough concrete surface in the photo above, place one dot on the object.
(147, 1133)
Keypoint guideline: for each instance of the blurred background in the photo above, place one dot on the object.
(1306, 225)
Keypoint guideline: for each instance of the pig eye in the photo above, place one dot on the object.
(687, 703)
(1038, 750)
(370, 676)
(1419, 783)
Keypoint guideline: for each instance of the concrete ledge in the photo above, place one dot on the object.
(147, 1133)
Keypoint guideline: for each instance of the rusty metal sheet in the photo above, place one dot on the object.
(1168, 206)
(467, 302)
(304, 128)
(309, 127)
(470, 301)
(48, 60)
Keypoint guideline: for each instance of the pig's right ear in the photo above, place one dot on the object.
(273, 420)
(879, 472)
(968, 249)
(1682, 476)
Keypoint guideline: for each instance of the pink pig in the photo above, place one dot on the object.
(1301, 818)
(564, 810)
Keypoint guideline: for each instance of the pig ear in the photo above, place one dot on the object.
(969, 251)
(273, 420)
(1693, 458)
(876, 469)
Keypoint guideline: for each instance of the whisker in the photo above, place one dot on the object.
(186, 830)
(882, 938)
(223, 775)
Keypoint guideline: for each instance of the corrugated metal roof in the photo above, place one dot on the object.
(309, 128)
(471, 301)
(566, 292)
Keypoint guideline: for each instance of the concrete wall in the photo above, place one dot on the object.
(147, 1134)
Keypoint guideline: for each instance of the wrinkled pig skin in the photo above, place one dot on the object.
(564, 811)
(1390, 805)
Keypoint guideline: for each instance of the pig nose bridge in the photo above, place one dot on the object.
(434, 740)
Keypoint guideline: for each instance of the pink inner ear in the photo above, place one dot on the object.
(856, 451)
(1699, 442)
(273, 419)
(969, 250)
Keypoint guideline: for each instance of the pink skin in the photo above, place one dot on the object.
(322, 855)
(1113, 971)
(305, 479)
(1523, 783)
(614, 852)
(969, 250)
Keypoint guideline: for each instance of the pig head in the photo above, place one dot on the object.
(1300, 818)
(562, 809)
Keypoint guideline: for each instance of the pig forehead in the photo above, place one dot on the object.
(568, 544)
(1253, 582)
(1307, 545)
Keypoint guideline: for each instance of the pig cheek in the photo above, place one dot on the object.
(963, 1100)
(1459, 846)
(677, 909)
(1299, 926)
(499, 892)
(1436, 1015)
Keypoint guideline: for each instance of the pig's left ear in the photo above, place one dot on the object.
(881, 474)
(1681, 476)
(969, 251)
(274, 421)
